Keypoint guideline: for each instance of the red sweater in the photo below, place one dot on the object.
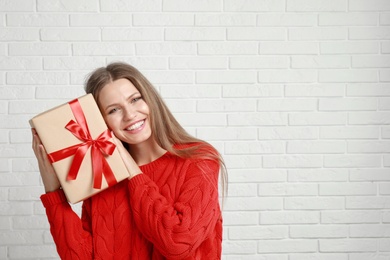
(171, 211)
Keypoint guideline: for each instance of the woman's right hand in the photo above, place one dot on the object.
(48, 175)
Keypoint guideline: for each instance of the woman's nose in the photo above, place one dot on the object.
(129, 114)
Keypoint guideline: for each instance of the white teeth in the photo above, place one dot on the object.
(135, 126)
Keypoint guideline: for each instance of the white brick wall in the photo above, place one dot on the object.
(294, 93)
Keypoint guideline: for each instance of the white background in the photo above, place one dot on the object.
(294, 93)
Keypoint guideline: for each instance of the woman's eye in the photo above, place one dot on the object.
(135, 99)
(112, 111)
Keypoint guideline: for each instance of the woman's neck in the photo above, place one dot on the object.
(146, 152)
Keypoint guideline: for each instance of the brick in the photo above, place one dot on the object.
(367, 5)
(319, 256)
(70, 34)
(195, 62)
(225, 76)
(30, 222)
(290, 104)
(315, 147)
(349, 47)
(367, 202)
(348, 245)
(384, 104)
(130, 6)
(227, 48)
(242, 190)
(386, 132)
(286, 19)
(163, 19)
(254, 6)
(19, 34)
(192, 6)
(14, 121)
(370, 61)
(258, 119)
(263, 62)
(25, 193)
(316, 5)
(37, 20)
(369, 175)
(384, 245)
(320, 62)
(195, 34)
(369, 33)
(26, 251)
(4, 165)
(349, 132)
(100, 19)
(317, 118)
(287, 246)
(166, 48)
(253, 203)
(225, 105)
(348, 76)
(271, 90)
(39, 49)
(4, 136)
(347, 104)
(190, 91)
(288, 76)
(73, 63)
(315, 90)
(384, 189)
(256, 232)
(166, 77)
(225, 19)
(209, 119)
(386, 217)
(314, 203)
(15, 209)
(242, 218)
(289, 217)
(317, 33)
(347, 19)
(67, 6)
(181, 106)
(292, 161)
(239, 247)
(143, 62)
(282, 189)
(259, 147)
(29, 78)
(20, 63)
(17, 6)
(102, 48)
(350, 217)
(352, 161)
(287, 133)
(322, 231)
(132, 34)
(227, 133)
(53, 92)
(384, 75)
(248, 175)
(369, 118)
(369, 256)
(5, 224)
(384, 19)
(338, 189)
(318, 175)
(386, 160)
(371, 89)
(295, 48)
(256, 34)
(367, 147)
(31, 106)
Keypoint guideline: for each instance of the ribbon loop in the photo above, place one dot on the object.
(100, 148)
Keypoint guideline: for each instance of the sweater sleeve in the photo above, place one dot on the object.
(69, 232)
(178, 229)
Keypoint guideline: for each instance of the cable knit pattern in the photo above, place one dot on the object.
(171, 211)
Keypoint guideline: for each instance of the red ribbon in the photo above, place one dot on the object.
(100, 147)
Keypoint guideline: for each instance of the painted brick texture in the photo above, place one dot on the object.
(294, 93)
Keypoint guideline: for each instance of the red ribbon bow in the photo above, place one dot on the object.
(100, 147)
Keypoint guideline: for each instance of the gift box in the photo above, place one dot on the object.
(80, 147)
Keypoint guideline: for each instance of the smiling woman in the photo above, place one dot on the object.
(169, 210)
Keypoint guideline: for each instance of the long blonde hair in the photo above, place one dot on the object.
(167, 132)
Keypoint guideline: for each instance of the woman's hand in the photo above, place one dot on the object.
(48, 175)
(131, 165)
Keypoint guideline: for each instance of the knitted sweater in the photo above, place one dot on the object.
(170, 211)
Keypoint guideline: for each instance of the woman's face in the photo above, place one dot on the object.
(125, 112)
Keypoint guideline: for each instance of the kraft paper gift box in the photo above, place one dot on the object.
(80, 147)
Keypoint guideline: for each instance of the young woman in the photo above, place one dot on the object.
(169, 209)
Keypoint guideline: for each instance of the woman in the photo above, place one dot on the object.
(169, 210)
